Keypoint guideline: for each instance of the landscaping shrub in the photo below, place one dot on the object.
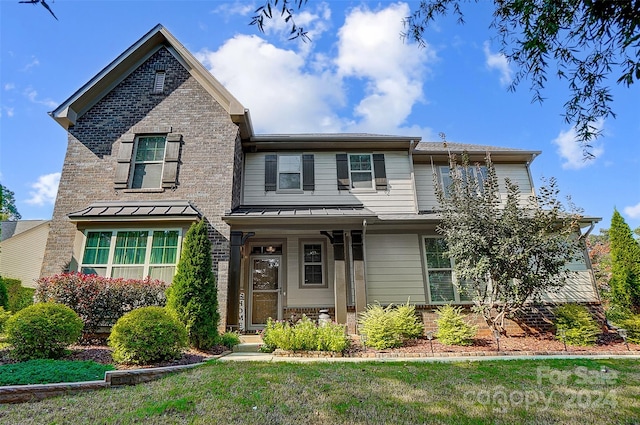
(615, 314)
(146, 335)
(193, 295)
(305, 335)
(452, 327)
(229, 339)
(4, 296)
(100, 301)
(576, 321)
(4, 316)
(42, 331)
(632, 325)
(391, 326)
(19, 296)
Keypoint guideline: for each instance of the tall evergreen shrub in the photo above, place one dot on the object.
(4, 296)
(625, 264)
(193, 295)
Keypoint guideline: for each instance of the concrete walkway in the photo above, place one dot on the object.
(266, 357)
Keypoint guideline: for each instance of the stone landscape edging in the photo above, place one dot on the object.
(378, 354)
(112, 378)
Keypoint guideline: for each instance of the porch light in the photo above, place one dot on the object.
(430, 338)
(623, 335)
(496, 334)
(271, 249)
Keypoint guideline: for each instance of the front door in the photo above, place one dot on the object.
(266, 288)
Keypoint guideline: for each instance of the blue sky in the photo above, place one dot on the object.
(356, 75)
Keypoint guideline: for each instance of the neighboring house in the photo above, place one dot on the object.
(22, 246)
(299, 222)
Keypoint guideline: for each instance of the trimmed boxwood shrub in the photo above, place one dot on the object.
(146, 335)
(578, 325)
(4, 316)
(42, 331)
(4, 296)
(19, 296)
(452, 327)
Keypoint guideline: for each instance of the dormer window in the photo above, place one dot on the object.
(158, 83)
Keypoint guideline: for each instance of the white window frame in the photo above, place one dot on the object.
(289, 189)
(112, 248)
(323, 263)
(454, 281)
(135, 162)
(445, 171)
(372, 180)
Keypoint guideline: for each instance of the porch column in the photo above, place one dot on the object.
(233, 288)
(357, 249)
(340, 281)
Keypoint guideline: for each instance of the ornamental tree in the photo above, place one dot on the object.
(625, 264)
(193, 295)
(507, 250)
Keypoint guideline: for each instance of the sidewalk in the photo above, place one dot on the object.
(266, 357)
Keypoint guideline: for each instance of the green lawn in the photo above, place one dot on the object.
(496, 392)
(45, 371)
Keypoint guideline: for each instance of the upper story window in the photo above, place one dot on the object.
(361, 171)
(158, 82)
(290, 172)
(440, 276)
(148, 163)
(477, 173)
(131, 254)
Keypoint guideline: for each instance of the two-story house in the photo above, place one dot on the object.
(298, 222)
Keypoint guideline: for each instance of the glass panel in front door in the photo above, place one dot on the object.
(265, 288)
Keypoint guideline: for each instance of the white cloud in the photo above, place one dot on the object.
(34, 62)
(632, 211)
(9, 86)
(241, 8)
(499, 62)
(310, 88)
(45, 191)
(32, 95)
(572, 152)
(9, 112)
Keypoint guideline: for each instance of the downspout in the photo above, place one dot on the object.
(413, 183)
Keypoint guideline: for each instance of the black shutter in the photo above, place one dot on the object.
(308, 173)
(123, 164)
(270, 172)
(343, 171)
(380, 171)
(171, 157)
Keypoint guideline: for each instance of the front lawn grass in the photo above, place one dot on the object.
(589, 391)
(51, 371)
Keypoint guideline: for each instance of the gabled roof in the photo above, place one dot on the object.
(95, 89)
(9, 229)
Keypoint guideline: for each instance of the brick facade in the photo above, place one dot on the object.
(209, 158)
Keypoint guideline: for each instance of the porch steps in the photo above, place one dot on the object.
(248, 344)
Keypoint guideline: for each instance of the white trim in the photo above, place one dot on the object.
(372, 180)
(134, 162)
(323, 262)
(278, 172)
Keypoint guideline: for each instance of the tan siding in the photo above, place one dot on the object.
(398, 199)
(579, 287)
(306, 297)
(517, 173)
(21, 256)
(394, 269)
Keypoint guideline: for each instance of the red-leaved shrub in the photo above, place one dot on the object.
(100, 301)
